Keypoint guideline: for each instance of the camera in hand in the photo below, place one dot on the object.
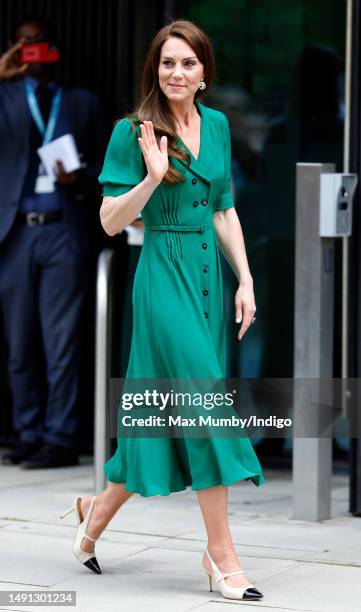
(38, 53)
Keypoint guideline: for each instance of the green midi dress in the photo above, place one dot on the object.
(178, 319)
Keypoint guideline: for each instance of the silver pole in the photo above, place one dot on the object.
(102, 366)
(346, 168)
(313, 345)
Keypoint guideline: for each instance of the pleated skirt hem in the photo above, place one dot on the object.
(257, 479)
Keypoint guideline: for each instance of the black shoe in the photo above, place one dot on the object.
(252, 593)
(20, 452)
(50, 456)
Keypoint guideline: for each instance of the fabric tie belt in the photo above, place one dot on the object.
(178, 228)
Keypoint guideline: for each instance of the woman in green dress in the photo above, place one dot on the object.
(170, 160)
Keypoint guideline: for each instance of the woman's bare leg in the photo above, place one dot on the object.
(214, 506)
(106, 505)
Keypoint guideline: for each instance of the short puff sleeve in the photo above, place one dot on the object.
(123, 166)
(225, 199)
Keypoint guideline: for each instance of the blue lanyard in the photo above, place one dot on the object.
(48, 131)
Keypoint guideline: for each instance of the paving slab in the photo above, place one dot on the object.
(151, 551)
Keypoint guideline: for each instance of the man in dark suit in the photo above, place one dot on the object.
(44, 248)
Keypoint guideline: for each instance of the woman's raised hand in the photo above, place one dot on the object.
(156, 158)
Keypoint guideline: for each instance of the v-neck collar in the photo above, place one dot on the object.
(202, 167)
(180, 142)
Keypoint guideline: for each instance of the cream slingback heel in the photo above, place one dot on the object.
(247, 592)
(87, 558)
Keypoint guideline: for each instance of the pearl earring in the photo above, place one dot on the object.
(202, 85)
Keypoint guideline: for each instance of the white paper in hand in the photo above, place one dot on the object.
(64, 149)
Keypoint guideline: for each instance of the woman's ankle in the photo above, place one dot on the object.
(224, 553)
(217, 546)
(99, 512)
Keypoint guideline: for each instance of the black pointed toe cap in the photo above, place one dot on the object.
(252, 593)
(93, 565)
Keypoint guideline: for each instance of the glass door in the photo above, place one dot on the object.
(280, 81)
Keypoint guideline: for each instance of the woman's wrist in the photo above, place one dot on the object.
(148, 180)
(245, 280)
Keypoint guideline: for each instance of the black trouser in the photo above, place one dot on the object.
(42, 279)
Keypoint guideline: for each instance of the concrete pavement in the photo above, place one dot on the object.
(151, 552)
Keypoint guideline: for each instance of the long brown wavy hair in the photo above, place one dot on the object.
(153, 106)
